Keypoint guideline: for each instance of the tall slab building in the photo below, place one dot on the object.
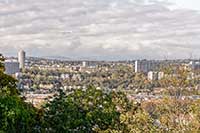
(21, 59)
(146, 65)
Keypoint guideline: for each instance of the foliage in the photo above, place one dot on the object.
(81, 111)
(1, 63)
(16, 116)
(175, 115)
(8, 82)
(141, 82)
(177, 82)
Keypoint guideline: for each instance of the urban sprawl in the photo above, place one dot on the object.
(40, 78)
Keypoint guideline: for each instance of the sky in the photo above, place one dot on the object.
(187, 4)
(101, 29)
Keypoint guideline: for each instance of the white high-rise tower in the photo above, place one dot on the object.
(21, 59)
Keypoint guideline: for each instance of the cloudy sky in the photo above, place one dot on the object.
(103, 29)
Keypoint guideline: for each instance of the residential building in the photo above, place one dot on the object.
(194, 65)
(11, 67)
(152, 76)
(146, 65)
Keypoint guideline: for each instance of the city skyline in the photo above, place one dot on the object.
(111, 29)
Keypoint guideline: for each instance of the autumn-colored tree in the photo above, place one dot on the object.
(177, 82)
(174, 115)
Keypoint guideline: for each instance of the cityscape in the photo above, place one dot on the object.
(108, 66)
(40, 78)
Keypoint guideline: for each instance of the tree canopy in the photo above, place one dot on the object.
(82, 110)
(15, 114)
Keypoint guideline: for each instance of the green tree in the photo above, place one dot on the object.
(133, 118)
(6, 80)
(81, 111)
(15, 114)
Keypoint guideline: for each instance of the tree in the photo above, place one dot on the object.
(81, 111)
(177, 82)
(15, 114)
(7, 81)
(133, 118)
(175, 115)
(1, 63)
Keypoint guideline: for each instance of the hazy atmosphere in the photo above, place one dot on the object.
(100, 66)
(107, 29)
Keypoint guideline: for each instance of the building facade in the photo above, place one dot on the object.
(85, 64)
(21, 59)
(11, 67)
(145, 66)
(194, 65)
(153, 75)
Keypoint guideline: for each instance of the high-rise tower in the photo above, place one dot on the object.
(21, 59)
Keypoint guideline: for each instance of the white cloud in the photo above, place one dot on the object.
(122, 29)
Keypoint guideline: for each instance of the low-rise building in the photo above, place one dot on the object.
(153, 75)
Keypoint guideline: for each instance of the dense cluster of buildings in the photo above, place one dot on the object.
(42, 77)
(153, 68)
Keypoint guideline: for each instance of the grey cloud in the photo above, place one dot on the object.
(123, 29)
